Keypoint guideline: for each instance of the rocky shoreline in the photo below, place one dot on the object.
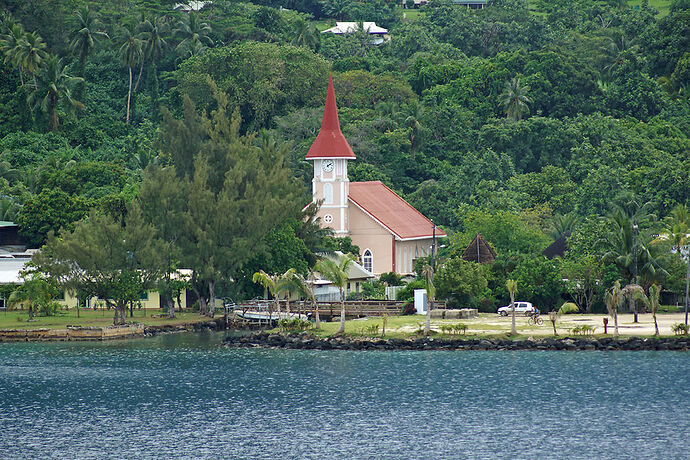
(92, 333)
(310, 342)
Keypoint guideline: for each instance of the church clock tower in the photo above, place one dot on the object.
(330, 153)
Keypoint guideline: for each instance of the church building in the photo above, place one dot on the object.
(390, 233)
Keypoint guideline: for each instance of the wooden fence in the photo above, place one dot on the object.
(353, 308)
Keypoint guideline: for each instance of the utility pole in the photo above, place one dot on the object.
(433, 244)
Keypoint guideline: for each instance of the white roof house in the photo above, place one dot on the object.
(194, 5)
(343, 28)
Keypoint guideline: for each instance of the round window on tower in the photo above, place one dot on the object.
(328, 219)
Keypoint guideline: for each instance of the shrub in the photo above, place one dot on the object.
(408, 309)
(680, 329)
(49, 309)
(370, 330)
(293, 325)
(454, 328)
(584, 329)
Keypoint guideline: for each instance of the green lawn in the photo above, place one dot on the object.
(662, 6)
(491, 325)
(411, 14)
(18, 319)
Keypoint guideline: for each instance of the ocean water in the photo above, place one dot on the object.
(183, 396)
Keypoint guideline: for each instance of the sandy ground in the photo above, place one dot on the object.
(495, 324)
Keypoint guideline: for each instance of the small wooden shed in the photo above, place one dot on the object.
(479, 251)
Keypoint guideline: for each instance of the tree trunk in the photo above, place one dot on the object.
(287, 304)
(512, 308)
(123, 314)
(633, 307)
(31, 312)
(427, 323)
(129, 96)
(171, 308)
(316, 312)
(116, 318)
(202, 300)
(141, 70)
(341, 329)
(615, 323)
(131, 309)
(54, 122)
(212, 298)
(656, 326)
(77, 308)
(687, 287)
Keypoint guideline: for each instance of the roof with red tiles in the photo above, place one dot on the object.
(391, 211)
(330, 142)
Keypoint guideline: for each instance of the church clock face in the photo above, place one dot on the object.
(328, 165)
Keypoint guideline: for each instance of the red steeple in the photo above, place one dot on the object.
(330, 143)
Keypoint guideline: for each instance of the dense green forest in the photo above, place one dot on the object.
(523, 121)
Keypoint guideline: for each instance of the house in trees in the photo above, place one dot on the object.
(390, 233)
(479, 251)
(472, 4)
(377, 34)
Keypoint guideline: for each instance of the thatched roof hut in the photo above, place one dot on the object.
(479, 251)
(558, 248)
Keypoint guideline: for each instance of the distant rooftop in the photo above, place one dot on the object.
(352, 27)
(194, 5)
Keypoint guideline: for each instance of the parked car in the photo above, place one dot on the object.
(524, 308)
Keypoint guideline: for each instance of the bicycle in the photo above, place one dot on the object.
(535, 319)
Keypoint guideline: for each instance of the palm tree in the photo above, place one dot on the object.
(10, 45)
(563, 224)
(428, 274)
(85, 35)
(34, 292)
(416, 112)
(553, 316)
(54, 87)
(614, 52)
(31, 53)
(305, 34)
(336, 273)
(305, 287)
(130, 52)
(514, 99)
(8, 209)
(151, 35)
(511, 285)
(269, 283)
(654, 292)
(614, 299)
(634, 293)
(286, 285)
(193, 34)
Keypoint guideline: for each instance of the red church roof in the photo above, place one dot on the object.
(330, 143)
(391, 211)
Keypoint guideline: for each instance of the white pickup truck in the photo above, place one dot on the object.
(524, 308)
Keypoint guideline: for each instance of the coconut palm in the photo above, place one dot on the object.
(511, 285)
(614, 53)
(553, 316)
(31, 53)
(54, 88)
(654, 292)
(514, 99)
(34, 292)
(336, 273)
(10, 45)
(287, 285)
(8, 209)
(193, 35)
(131, 53)
(614, 299)
(269, 283)
(563, 224)
(85, 35)
(305, 35)
(151, 35)
(305, 287)
(634, 293)
(428, 274)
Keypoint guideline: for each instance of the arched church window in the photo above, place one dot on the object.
(368, 261)
(327, 194)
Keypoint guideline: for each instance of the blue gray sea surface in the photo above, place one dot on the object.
(184, 396)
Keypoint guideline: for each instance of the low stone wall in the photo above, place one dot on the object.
(80, 333)
(308, 341)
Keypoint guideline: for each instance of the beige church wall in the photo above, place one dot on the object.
(408, 251)
(369, 234)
